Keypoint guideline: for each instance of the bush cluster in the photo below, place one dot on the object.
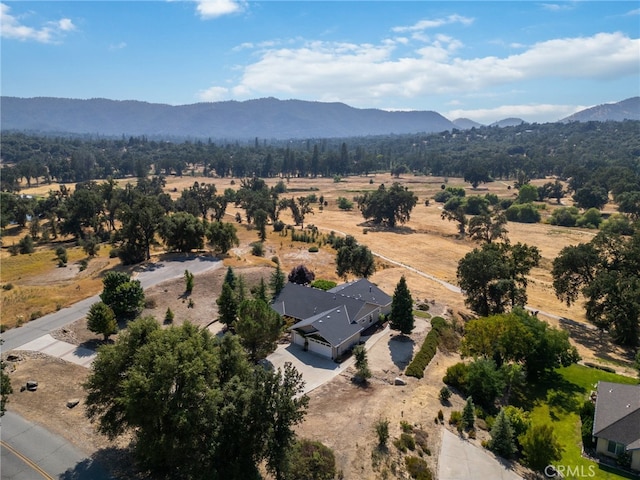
(428, 349)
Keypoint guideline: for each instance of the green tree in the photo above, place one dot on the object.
(230, 278)
(311, 460)
(521, 338)
(261, 291)
(388, 207)
(188, 281)
(605, 272)
(363, 373)
(193, 405)
(227, 305)
(494, 277)
(140, 216)
(182, 232)
(122, 294)
(5, 386)
(259, 327)
(222, 237)
(354, 258)
(476, 174)
(484, 382)
(277, 280)
(468, 414)
(457, 215)
(402, 308)
(591, 196)
(540, 447)
(102, 320)
(527, 194)
(488, 227)
(502, 436)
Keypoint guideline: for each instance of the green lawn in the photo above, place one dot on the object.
(558, 398)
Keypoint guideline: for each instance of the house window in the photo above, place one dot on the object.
(615, 447)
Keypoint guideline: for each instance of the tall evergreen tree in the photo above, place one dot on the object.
(402, 308)
(227, 305)
(469, 414)
(230, 278)
(277, 280)
(502, 442)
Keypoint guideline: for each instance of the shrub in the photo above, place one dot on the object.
(405, 442)
(150, 303)
(523, 213)
(275, 260)
(323, 284)
(455, 418)
(344, 203)
(61, 254)
(445, 394)
(278, 226)
(456, 376)
(312, 460)
(257, 249)
(418, 468)
(25, 245)
(382, 430)
(406, 426)
(428, 349)
(313, 249)
(7, 286)
(168, 316)
(114, 253)
(440, 416)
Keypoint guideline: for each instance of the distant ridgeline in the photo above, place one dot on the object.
(536, 150)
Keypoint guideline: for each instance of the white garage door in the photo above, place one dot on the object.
(297, 338)
(319, 348)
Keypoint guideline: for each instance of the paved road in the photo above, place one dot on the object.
(30, 452)
(462, 460)
(149, 276)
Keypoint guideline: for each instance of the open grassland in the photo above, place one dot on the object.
(427, 244)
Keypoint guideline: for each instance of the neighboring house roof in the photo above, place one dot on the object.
(334, 325)
(617, 415)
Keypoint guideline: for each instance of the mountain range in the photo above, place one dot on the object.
(268, 118)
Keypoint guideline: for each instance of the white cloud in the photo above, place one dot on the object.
(117, 46)
(51, 32)
(439, 22)
(213, 94)
(218, 8)
(633, 13)
(368, 74)
(557, 7)
(528, 113)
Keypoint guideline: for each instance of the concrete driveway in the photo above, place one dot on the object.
(316, 369)
(462, 460)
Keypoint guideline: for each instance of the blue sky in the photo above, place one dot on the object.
(539, 61)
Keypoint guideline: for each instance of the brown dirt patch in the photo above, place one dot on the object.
(341, 414)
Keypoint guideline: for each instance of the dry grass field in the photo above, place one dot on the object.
(426, 243)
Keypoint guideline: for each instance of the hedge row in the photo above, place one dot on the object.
(428, 349)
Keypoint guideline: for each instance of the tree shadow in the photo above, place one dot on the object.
(552, 388)
(595, 340)
(105, 464)
(401, 349)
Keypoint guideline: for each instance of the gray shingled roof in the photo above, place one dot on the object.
(334, 325)
(364, 290)
(302, 302)
(617, 415)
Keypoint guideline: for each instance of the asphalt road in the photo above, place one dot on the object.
(30, 452)
(149, 276)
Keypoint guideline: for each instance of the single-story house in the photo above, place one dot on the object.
(616, 423)
(331, 322)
